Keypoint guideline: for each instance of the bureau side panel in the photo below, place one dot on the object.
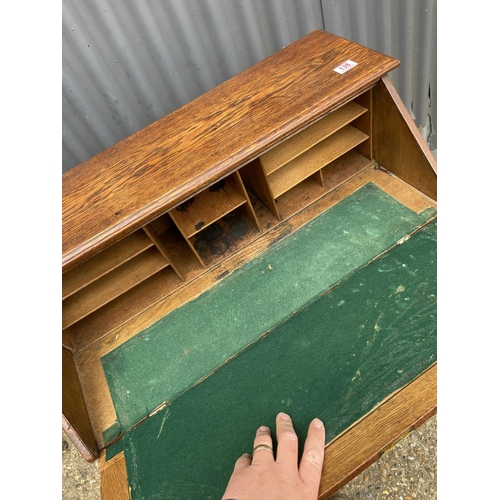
(397, 143)
(76, 421)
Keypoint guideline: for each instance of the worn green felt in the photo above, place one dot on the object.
(113, 449)
(180, 349)
(336, 359)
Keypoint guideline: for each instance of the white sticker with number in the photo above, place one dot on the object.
(344, 67)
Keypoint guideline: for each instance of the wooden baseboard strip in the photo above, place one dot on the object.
(364, 443)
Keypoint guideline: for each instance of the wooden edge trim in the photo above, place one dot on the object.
(367, 440)
(75, 438)
(386, 81)
(114, 479)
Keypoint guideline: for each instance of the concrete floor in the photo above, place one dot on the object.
(407, 471)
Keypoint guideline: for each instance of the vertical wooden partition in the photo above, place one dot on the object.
(397, 144)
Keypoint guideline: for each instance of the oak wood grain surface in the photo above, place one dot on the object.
(114, 482)
(397, 143)
(128, 185)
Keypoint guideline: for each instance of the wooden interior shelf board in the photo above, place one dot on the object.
(206, 207)
(309, 190)
(124, 308)
(104, 262)
(112, 285)
(301, 142)
(314, 159)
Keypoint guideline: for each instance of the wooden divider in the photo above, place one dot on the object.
(112, 285)
(104, 262)
(301, 142)
(314, 159)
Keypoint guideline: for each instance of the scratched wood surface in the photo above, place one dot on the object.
(141, 177)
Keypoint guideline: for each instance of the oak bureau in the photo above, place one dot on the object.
(269, 246)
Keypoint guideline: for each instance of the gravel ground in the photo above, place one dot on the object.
(408, 471)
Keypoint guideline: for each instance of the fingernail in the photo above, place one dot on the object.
(284, 416)
(318, 423)
(263, 428)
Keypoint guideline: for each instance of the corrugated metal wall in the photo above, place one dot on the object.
(127, 63)
(406, 30)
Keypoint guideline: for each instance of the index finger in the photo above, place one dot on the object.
(288, 445)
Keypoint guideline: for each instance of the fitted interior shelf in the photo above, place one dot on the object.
(297, 145)
(305, 165)
(197, 213)
(111, 285)
(309, 190)
(197, 217)
(304, 156)
(148, 265)
(104, 262)
(124, 308)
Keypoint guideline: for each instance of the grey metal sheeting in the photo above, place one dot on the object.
(127, 63)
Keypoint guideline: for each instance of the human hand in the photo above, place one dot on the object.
(261, 477)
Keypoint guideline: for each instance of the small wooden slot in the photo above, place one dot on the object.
(255, 180)
(104, 262)
(206, 207)
(334, 174)
(111, 285)
(298, 144)
(127, 306)
(228, 235)
(247, 207)
(343, 168)
(181, 253)
(162, 248)
(314, 159)
(318, 177)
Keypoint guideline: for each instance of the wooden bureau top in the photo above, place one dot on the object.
(128, 185)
